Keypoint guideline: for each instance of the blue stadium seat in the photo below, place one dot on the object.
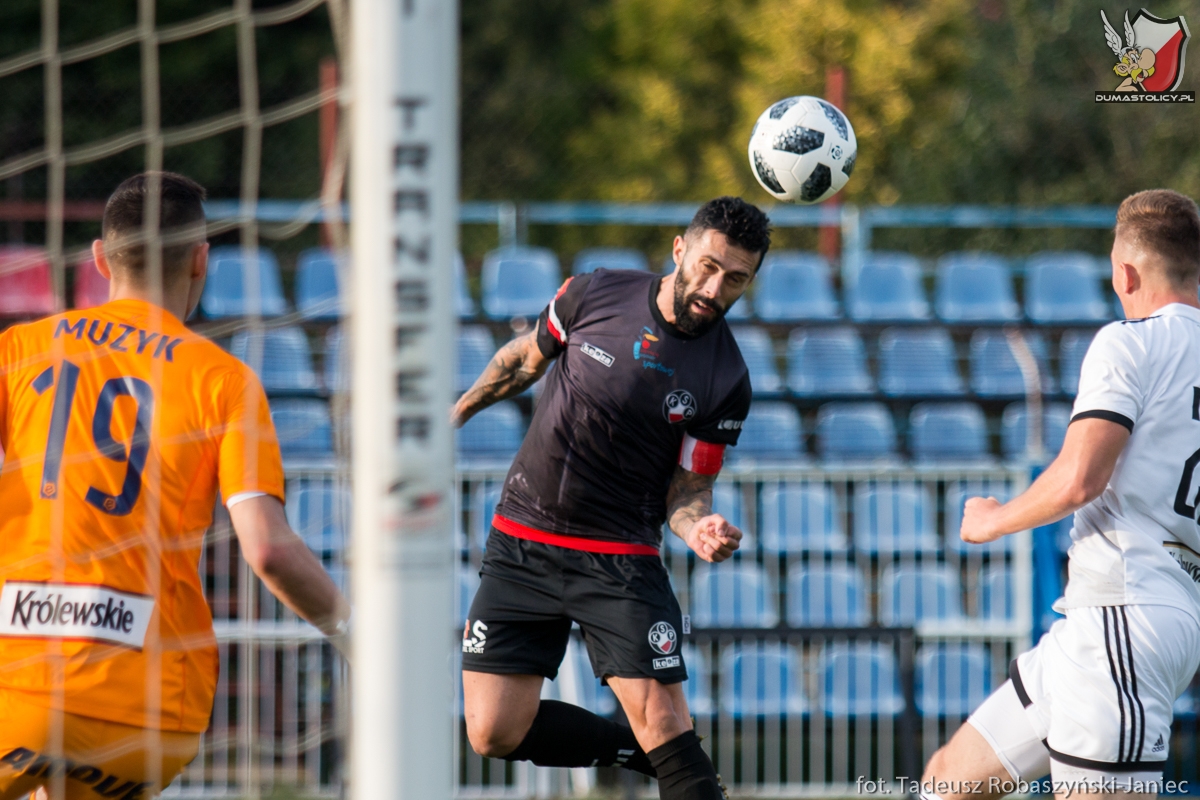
(303, 427)
(948, 433)
(994, 367)
(320, 513)
(727, 501)
(733, 595)
(995, 597)
(801, 517)
(957, 494)
(468, 585)
(592, 695)
(519, 281)
(918, 363)
(860, 680)
(475, 350)
(855, 433)
(336, 372)
(894, 518)
(762, 679)
(825, 362)
(951, 679)
(280, 356)
(318, 292)
(795, 286)
(1071, 350)
(826, 595)
(698, 687)
(594, 258)
(910, 594)
(975, 287)
(240, 286)
(483, 501)
(493, 435)
(888, 289)
(1064, 288)
(463, 304)
(759, 354)
(1014, 432)
(771, 433)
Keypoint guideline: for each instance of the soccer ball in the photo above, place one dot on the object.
(802, 150)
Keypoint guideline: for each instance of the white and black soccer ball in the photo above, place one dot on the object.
(802, 150)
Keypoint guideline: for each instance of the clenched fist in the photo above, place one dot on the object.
(978, 521)
(713, 538)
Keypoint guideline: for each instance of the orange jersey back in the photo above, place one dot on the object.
(118, 427)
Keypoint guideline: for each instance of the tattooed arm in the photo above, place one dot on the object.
(513, 369)
(689, 513)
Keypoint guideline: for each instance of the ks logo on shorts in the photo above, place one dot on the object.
(679, 406)
(662, 638)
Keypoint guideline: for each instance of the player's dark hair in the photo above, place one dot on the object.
(1168, 224)
(742, 223)
(180, 223)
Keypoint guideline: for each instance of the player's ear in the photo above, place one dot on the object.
(200, 261)
(102, 265)
(677, 251)
(1129, 278)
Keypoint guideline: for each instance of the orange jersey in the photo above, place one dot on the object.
(118, 427)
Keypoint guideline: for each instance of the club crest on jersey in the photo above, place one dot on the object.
(663, 638)
(679, 406)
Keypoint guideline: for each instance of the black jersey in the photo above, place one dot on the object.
(609, 427)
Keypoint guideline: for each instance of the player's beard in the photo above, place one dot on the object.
(686, 320)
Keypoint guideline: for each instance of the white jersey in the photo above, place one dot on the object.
(1139, 542)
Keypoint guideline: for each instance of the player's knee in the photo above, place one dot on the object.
(492, 739)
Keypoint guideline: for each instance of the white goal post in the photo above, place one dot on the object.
(404, 218)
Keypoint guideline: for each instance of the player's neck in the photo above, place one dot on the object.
(1151, 303)
(167, 300)
(666, 297)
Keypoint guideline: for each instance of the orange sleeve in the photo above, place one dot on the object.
(8, 366)
(249, 450)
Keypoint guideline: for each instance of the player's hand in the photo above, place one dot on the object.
(713, 538)
(979, 520)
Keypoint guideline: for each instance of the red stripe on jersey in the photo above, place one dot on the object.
(552, 321)
(702, 458)
(571, 542)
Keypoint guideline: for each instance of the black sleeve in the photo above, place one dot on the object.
(724, 425)
(554, 324)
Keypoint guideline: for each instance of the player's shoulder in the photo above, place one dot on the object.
(1160, 329)
(727, 355)
(616, 281)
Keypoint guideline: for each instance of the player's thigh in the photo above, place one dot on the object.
(496, 705)
(629, 616)
(966, 767)
(72, 757)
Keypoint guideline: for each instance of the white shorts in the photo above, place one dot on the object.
(1092, 701)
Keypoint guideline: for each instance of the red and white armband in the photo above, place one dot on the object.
(703, 458)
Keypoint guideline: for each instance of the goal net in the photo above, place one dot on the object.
(245, 98)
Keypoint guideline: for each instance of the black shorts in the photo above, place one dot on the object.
(530, 593)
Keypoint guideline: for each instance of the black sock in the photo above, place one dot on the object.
(563, 735)
(684, 770)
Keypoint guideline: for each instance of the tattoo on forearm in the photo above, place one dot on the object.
(689, 499)
(508, 374)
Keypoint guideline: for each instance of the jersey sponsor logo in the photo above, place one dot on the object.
(598, 354)
(663, 638)
(32, 764)
(666, 663)
(1187, 558)
(730, 425)
(679, 406)
(72, 611)
(474, 637)
(643, 351)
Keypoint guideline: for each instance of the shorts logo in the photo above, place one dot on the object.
(679, 406)
(663, 639)
(666, 663)
(474, 637)
(1159, 746)
(74, 611)
(598, 354)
